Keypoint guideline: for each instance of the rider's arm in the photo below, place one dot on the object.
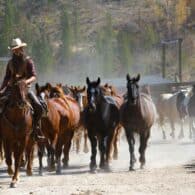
(31, 72)
(6, 78)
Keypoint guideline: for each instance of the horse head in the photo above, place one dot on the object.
(94, 93)
(43, 92)
(79, 94)
(57, 91)
(132, 89)
(19, 92)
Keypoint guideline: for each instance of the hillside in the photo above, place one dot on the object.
(70, 39)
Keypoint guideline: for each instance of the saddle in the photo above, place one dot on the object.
(110, 100)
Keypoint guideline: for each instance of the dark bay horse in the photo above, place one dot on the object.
(1, 148)
(137, 115)
(101, 118)
(110, 90)
(16, 126)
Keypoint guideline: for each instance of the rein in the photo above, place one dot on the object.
(13, 126)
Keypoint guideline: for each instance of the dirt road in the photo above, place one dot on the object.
(170, 169)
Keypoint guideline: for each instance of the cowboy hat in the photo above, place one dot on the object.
(17, 43)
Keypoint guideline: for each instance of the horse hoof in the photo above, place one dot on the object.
(180, 136)
(29, 173)
(131, 169)
(10, 172)
(65, 166)
(142, 167)
(51, 168)
(94, 171)
(86, 150)
(115, 157)
(58, 172)
(13, 185)
(40, 173)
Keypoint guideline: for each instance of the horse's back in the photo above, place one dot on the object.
(167, 105)
(148, 108)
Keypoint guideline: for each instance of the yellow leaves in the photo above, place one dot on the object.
(181, 12)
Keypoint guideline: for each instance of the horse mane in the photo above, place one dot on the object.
(146, 89)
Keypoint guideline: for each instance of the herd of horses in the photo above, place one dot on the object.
(97, 110)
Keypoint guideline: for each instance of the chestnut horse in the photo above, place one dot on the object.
(70, 121)
(50, 124)
(137, 115)
(81, 97)
(16, 126)
(101, 118)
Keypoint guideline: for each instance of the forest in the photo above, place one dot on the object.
(72, 39)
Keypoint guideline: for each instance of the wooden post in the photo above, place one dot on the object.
(180, 58)
(163, 59)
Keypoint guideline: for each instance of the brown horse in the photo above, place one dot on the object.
(70, 121)
(16, 125)
(101, 118)
(110, 90)
(81, 97)
(137, 115)
(1, 149)
(50, 124)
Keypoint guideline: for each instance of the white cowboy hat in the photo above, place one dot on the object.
(17, 43)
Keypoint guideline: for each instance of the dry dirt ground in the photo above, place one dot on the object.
(170, 169)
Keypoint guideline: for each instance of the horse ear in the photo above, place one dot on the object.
(83, 88)
(37, 87)
(48, 86)
(128, 77)
(106, 85)
(98, 81)
(87, 80)
(137, 78)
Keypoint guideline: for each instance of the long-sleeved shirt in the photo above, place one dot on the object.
(26, 71)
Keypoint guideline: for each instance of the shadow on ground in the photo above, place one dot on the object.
(190, 167)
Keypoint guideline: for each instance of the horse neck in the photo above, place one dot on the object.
(138, 103)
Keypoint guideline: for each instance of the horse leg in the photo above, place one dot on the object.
(8, 158)
(131, 142)
(143, 144)
(18, 151)
(40, 156)
(172, 128)
(93, 141)
(58, 153)
(78, 143)
(102, 149)
(29, 156)
(190, 128)
(181, 134)
(23, 161)
(115, 142)
(86, 149)
(67, 147)
(1, 150)
(52, 152)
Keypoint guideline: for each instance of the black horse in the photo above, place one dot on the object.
(101, 117)
(137, 115)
